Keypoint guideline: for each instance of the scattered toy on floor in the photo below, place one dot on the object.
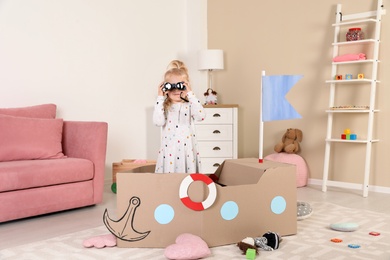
(304, 210)
(108, 240)
(247, 243)
(269, 241)
(187, 246)
(345, 226)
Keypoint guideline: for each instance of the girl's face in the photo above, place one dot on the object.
(174, 94)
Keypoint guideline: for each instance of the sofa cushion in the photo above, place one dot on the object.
(18, 175)
(39, 111)
(24, 138)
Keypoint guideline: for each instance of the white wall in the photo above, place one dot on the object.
(99, 60)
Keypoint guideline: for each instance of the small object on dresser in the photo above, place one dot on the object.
(348, 76)
(338, 77)
(211, 97)
(360, 76)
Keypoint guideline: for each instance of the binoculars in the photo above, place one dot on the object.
(170, 86)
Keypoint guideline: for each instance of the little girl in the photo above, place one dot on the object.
(175, 110)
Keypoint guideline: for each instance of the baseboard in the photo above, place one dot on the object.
(349, 185)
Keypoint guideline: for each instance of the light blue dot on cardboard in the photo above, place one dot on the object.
(278, 205)
(164, 214)
(229, 210)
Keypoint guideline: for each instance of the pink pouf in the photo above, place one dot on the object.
(302, 169)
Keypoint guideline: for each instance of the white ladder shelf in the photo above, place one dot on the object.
(371, 17)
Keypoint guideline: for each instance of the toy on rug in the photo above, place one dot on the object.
(304, 210)
(211, 97)
(345, 226)
(101, 241)
(290, 141)
(269, 241)
(247, 243)
(187, 246)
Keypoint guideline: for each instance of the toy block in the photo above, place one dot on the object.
(250, 254)
(360, 76)
(348, 136)
(353, 136)
(348, 76)
(343, 136)
(339, 77)
(347, 131)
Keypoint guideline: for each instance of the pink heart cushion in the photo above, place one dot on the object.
(24, 138)
(187, 246)
(101, 241)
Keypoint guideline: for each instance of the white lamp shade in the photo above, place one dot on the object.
(210, 60)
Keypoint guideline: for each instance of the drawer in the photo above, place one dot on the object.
(215, 149)
(214, 132)
(218, 116)
(210, 165)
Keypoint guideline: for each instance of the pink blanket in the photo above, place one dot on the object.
(350, 57)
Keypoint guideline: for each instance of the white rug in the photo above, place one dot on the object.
(311, 242)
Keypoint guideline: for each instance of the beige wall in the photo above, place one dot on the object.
(294, 37)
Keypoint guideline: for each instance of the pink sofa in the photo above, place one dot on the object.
(48, 164)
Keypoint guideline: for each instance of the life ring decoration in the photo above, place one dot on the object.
(183, 192)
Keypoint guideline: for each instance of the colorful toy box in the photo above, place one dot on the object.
(249, 199)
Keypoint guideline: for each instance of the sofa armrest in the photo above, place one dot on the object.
(88, 140)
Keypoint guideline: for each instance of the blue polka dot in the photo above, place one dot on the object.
(278, 205)
(164, 214)
(229, 210)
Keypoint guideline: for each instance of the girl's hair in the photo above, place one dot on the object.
(177, 68)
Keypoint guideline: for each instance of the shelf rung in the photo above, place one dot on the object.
(359, 141)
(354, 62)
(351, 81)
(354, 42)
(355, 22)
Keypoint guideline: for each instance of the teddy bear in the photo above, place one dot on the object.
(290, 141)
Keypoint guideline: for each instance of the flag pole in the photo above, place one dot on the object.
(261, 128)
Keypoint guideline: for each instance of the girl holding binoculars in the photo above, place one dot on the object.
(175, 111)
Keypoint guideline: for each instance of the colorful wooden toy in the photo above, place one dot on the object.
(339, 77)
(348, 76)
(360, 76)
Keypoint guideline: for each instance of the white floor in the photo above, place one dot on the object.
(25, 231)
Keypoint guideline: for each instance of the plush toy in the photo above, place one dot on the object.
(247, 243)
(290, 141)
(211, 97)
(269, 241)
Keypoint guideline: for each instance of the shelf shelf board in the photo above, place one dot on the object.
(354, 62)
(358, 141)
(355, 22)
(367, 41)
(351, 111)
(351, 81)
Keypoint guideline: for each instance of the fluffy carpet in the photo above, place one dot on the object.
(313, 241)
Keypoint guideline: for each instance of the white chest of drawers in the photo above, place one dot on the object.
(217, 136)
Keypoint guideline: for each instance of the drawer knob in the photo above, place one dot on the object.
(216, 132)
(216, 165)
(216, 148)
(216, 115)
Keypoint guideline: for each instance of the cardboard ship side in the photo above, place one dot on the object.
(251, 199)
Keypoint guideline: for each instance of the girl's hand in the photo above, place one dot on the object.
(188, 86)
(160, 87)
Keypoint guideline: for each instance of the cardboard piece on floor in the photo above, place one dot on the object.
(257, 198)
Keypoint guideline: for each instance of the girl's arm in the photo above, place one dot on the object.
(197, 111)
(159, 113)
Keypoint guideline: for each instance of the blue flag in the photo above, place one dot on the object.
(274, 103)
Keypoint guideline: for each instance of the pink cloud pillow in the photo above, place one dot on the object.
(38, 111)
(187, 246)
(24, 138)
